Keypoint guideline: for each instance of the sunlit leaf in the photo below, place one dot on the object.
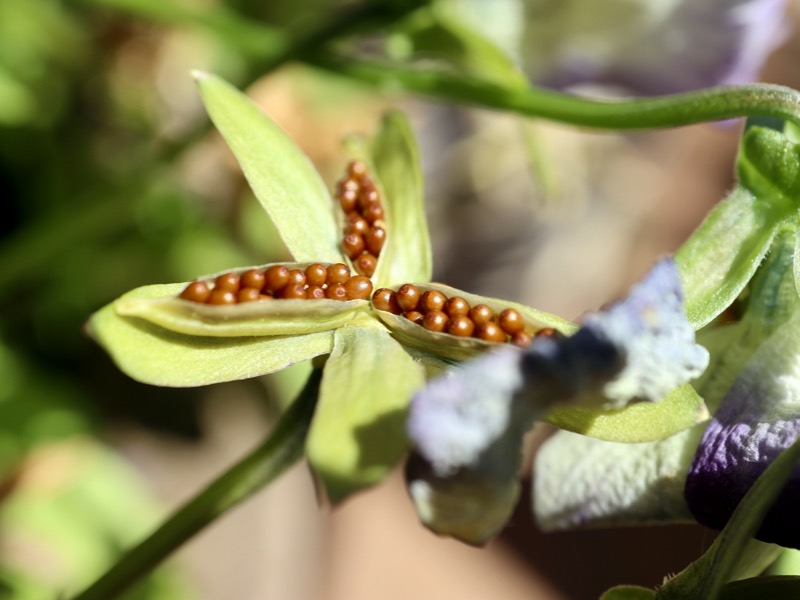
(281, 176)
(152, 354)
(358, 433)
(637, 422)
(718, 260)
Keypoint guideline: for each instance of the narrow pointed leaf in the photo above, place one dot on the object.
(393, 157)
(358, 434)
(637, 422)
(281, 176)
(152, 354)
(718, 260)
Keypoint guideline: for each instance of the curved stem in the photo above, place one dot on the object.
(282, 448)
(712, 104)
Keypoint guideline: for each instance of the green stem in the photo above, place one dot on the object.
(282, 448)
(712, 104)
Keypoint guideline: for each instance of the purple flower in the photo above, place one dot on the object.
(645, 47)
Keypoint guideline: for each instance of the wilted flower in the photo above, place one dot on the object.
(467, 426)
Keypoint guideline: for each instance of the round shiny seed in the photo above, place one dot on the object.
(548, 332)
(432, 300)
(456, 307)
(414, 316)
(348, 200)
(336, 291)
(386, 300)
(297, 277)
(220, 297)
(230, 282)
(294, 291)
(338, 273)
(355, 223)
(491, 332)
(367, 196)
(266, 297)
(521, 339)
(358, 287)
(480, 314)
(356, 169)
(275, 278)
(372, 212)
(511, 321)
(460, 325)
(435, 320)
(347, 184)
(248, 294)
(316, 274)
(375, 239)
(408, 297)
(197, 291)
(353, 244)
(366, 263)
(315, 292)
(253, 278)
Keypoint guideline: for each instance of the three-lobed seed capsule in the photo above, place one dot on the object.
(280, 282)
(436, 312)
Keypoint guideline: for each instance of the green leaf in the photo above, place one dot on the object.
(638, 422)
(281, 176)
(358, 434)
(152, 354)
(438, 33)
(628, 592)
(721, 563)
(718, 260)
(393, 157)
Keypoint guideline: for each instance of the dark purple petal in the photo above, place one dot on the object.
(757, 420)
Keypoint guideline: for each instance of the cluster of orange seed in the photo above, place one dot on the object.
(436, 312)
(316, 282)
(364, 227)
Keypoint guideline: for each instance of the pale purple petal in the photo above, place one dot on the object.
(693, 44)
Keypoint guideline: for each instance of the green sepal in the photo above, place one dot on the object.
(638, 422)
(358, 434)
(628, 592)
(393, 158)
(768, 166)
(154, 355)
(733, 553)
(718, 260)
(281, 176)
(452, 347)
(259, 318)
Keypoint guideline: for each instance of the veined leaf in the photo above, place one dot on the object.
(281, 176)
(358, 434)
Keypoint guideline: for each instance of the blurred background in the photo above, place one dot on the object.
(111, 178)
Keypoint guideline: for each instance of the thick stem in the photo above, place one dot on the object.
(712, 104)
(282, 448)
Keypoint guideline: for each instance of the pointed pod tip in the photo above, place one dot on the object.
(199, 75)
